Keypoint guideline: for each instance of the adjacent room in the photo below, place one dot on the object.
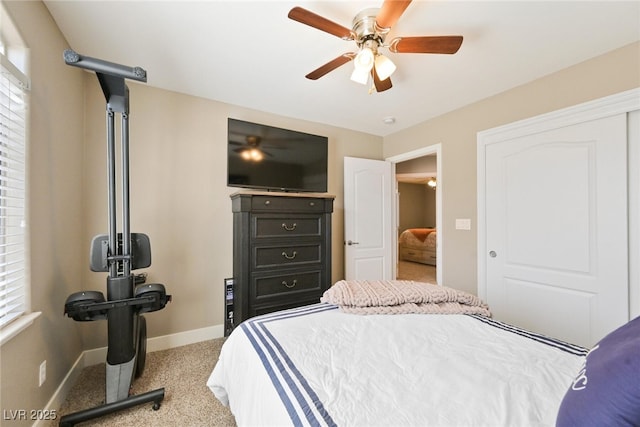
(417, 238)
(291, 213)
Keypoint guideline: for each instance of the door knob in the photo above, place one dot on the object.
(349, 242)
(492, 254)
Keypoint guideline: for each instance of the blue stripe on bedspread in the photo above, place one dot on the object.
(561, 345)
(299, 399)
(296, 394)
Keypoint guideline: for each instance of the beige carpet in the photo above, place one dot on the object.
(408, 270)
(182, 371)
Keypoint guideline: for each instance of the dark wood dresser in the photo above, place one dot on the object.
(281, 251)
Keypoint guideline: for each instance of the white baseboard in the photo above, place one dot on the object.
(99, 355)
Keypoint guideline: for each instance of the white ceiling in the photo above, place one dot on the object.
(248, 53)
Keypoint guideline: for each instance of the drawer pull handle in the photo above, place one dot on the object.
(267, 202)
(312, 203)
(293, 284)
(284, 254)
(293, 227)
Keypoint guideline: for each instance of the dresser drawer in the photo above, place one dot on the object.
(287, 204)
(287, 255)
(282, 285)
(266, 225)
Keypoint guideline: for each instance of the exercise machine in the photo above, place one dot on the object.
(119, 254)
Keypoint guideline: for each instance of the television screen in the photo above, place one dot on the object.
(270, 158)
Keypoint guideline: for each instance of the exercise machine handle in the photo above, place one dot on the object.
(104, 67)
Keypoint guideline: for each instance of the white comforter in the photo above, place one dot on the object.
(318, 366)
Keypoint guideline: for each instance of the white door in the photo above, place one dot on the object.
(556, 230)
(368, 219)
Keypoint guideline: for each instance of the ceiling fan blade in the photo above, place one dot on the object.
(323, 24)
(426, 44)
(381, 85)
(390, 12)
(330, 66)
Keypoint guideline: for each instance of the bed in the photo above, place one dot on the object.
(329, 364)
(418, 245)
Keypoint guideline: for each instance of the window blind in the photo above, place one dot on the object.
(13, 108)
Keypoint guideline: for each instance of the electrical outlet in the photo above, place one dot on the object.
(43, 373)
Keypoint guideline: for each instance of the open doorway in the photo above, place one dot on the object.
(417, 234)
(418, 243)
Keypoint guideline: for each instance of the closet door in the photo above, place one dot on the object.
(556, 230)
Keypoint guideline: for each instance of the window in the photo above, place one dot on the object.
(13, 109)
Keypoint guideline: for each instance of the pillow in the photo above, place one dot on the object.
(606, 391)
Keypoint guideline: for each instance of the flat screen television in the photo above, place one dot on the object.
(270, 158)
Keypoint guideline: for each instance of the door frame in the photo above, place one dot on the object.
(420, 152)
(624, 102)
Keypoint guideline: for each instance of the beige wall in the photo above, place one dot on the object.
(611, 73)
(417, 203)
(179, 196)
(58, 251)
(421, 165)
(416, 206)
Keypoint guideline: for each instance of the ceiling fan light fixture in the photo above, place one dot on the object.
(364, 60)
(360, 76)
(362, 65)
(384, 67)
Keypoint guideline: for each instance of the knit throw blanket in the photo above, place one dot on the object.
(401, 297)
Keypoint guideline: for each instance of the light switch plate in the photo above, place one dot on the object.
(463, 224)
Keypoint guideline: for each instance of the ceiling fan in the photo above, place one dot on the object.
(369, 30)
